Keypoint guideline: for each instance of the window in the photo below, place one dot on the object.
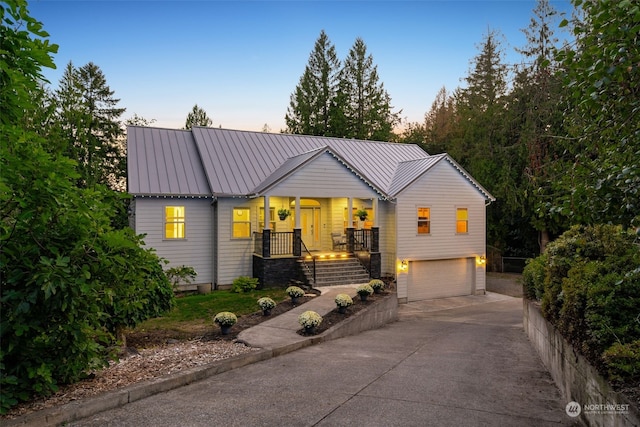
(462, 220)
(272, 219)
(424, 220)
(174, 227)
(241, 223)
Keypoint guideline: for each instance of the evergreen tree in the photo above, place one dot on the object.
(310, 104)
(197, 117)
(440, 122)
(88, 123)
(364, 107)
(536, 116)
(479, 142)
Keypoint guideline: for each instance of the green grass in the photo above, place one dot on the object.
(201, 308)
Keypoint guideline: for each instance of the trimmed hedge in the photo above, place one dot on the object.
(588, 282)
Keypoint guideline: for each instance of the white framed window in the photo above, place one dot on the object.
(174, 222)
(424, 220)
(241, 223)
(272, 221)
(462, 220)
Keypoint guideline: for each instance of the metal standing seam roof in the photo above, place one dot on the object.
(222, 162)
(164, 162)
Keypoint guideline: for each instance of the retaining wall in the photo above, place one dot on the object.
(577, 380)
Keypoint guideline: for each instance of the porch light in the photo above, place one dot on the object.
(332, 256)
(481, 260)
(403, 265)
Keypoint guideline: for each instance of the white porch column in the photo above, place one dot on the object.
(297, 225)
(267, 213)
(375, 211)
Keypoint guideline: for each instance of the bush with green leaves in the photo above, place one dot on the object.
(244, 284)
(588, 282)
(69, 280)
(183, 274)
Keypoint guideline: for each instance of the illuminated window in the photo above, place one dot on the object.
(424, 220)
(272, 220)
(241, 223)
(174, 222)
(462, 220)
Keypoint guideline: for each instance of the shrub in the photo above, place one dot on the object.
(266, 303)
(377, 285)
(364, 290)
(623, 362)
(533, 277)
(183, 274)
(343, 300)
(244, 284)
(225, 318)
(589, 283)
(294, 291)
(309, 319)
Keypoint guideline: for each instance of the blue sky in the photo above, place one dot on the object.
(241, 60)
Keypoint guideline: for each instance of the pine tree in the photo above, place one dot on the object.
(88, 121)
(309, 107)
(365, 106)
(197, 117)
(439, 122)
(535, 108)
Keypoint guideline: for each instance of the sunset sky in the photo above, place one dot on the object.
(241, 60)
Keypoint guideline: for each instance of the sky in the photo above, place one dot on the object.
(241, 60)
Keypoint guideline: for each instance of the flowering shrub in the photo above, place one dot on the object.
(309, 319)
(343, 300)
(294, 291)
(225, 318)
(266, 303)
(377, 285)
(364, 290)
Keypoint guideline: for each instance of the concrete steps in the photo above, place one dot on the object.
(335, 271)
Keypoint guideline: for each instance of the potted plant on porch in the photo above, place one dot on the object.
(362, 214)
(364, 291)
(343, 301)
(283, 214)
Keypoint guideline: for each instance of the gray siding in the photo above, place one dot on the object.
(442, 189)
(195, 250)
(323, 177)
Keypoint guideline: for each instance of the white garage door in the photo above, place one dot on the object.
(439, 279)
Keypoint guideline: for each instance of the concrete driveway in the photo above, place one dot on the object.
(461, 361)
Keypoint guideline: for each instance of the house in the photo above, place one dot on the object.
(208, 198)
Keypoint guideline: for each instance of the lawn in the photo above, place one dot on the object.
(198, 310)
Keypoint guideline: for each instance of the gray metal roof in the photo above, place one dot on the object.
(164, 162)
(222, 162)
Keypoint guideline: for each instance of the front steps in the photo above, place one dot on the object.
(335, 271)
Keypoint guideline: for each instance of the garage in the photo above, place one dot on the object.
(440, 279)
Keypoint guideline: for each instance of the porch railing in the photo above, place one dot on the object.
(362, 240)
(281, 243)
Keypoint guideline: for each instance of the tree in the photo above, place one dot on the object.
(537, 117)
(68, 279)
(440, 122)
(598, 180)
(363, 106)
(88, 121)
(197, 117)
(310, 104)
(480, 143)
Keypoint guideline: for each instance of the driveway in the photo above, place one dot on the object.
(461, 361)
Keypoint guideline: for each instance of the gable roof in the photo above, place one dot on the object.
(221, 162)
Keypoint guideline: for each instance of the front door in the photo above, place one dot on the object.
(310, 227)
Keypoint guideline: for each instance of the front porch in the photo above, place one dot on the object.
(281, 257)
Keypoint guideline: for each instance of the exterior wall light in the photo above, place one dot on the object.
(481, 260)
(403, 266)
